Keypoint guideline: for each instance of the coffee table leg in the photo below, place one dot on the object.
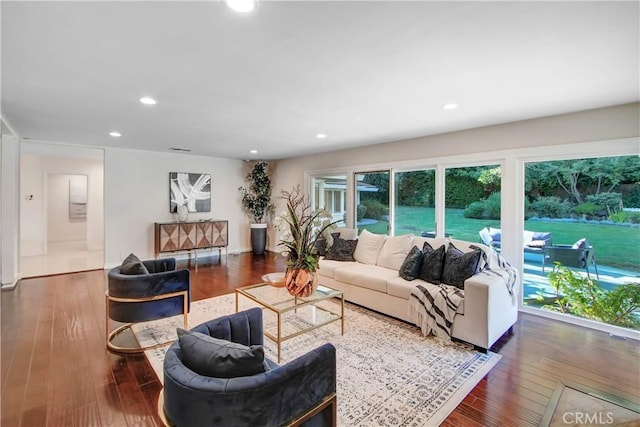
(342, 314)
(237, 296)
(279, 340)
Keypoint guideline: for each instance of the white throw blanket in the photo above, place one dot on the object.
(434, 309)
(496, 265)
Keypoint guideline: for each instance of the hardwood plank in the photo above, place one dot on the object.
(56, 370)
(11, 409)
(109, 405)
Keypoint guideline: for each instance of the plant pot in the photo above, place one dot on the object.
(258, 238)
(300, 283)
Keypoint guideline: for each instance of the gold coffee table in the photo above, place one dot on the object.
(307, 310)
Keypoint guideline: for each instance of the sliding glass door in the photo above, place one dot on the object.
(472, 202)
(372, 201)
(414, 202)
(581, 220)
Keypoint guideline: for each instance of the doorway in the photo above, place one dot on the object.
(61, 209)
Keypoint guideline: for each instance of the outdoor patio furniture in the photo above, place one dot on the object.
(533, 241)
(578, 255)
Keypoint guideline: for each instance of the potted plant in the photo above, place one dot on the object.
(256, 202)
(301, 228)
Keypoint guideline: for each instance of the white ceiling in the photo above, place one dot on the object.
(360, 72)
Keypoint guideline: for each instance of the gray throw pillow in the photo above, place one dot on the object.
(132, 265)
(459, 266)
(134, 268)
(341, 250)
(410, 268)
(130, 259)
(432, 262)
(321, 246)
(213, 357)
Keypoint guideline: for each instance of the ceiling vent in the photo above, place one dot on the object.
(186, 150)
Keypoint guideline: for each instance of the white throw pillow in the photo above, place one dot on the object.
(395, 251)
(368, 248)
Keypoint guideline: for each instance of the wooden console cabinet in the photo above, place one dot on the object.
(191, 236)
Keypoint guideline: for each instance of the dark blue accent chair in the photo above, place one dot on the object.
(134, 298)
(301, 392)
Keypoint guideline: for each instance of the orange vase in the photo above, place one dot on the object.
(300, 283)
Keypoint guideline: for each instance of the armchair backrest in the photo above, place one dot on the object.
(133, 287)
(568, 256)
(274, 397)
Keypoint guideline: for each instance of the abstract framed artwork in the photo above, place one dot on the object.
(190, 189)
(78, 197)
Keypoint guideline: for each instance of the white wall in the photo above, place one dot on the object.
(592, 125)
(137, 196)
(500, 143)
(9, 214)
(40, 162)
(60, 227)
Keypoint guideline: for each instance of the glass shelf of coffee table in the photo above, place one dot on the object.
(308, 313)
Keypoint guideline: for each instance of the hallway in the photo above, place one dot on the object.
(62, 257)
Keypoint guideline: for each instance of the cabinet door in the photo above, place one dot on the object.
(220, 233)
(204, 234)
(187, 235)
(169, 237)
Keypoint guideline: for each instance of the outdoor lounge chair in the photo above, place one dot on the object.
(533, 241)
(578, 255)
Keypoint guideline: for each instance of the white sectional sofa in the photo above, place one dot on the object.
(488, 309)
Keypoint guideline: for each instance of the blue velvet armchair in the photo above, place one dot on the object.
(301, 392)
(134, 298)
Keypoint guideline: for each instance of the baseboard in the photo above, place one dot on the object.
(11, 285)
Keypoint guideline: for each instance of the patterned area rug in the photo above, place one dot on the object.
(388, 373)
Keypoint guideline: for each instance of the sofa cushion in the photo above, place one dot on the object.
(368, 248)
(398, 287)
(394, 251)
(432, 263)
(545, 236)
(410, 268)
(344, 233)
(328, 266)
(213, 357)
(496, 234)
(365, 276)
(459, 266)
(341, 249)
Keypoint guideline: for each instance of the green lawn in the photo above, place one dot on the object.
(615, 246)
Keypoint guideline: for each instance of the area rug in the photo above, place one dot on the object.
(388, 373)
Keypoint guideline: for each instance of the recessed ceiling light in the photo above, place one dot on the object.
(147, 100)
(115, 134)
(253, 151)
(321, 135)
(242, 6)
(449, 106)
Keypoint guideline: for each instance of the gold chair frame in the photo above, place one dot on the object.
(328, 406)
(131, 350)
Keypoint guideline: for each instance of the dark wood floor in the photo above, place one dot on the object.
(56, 372)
